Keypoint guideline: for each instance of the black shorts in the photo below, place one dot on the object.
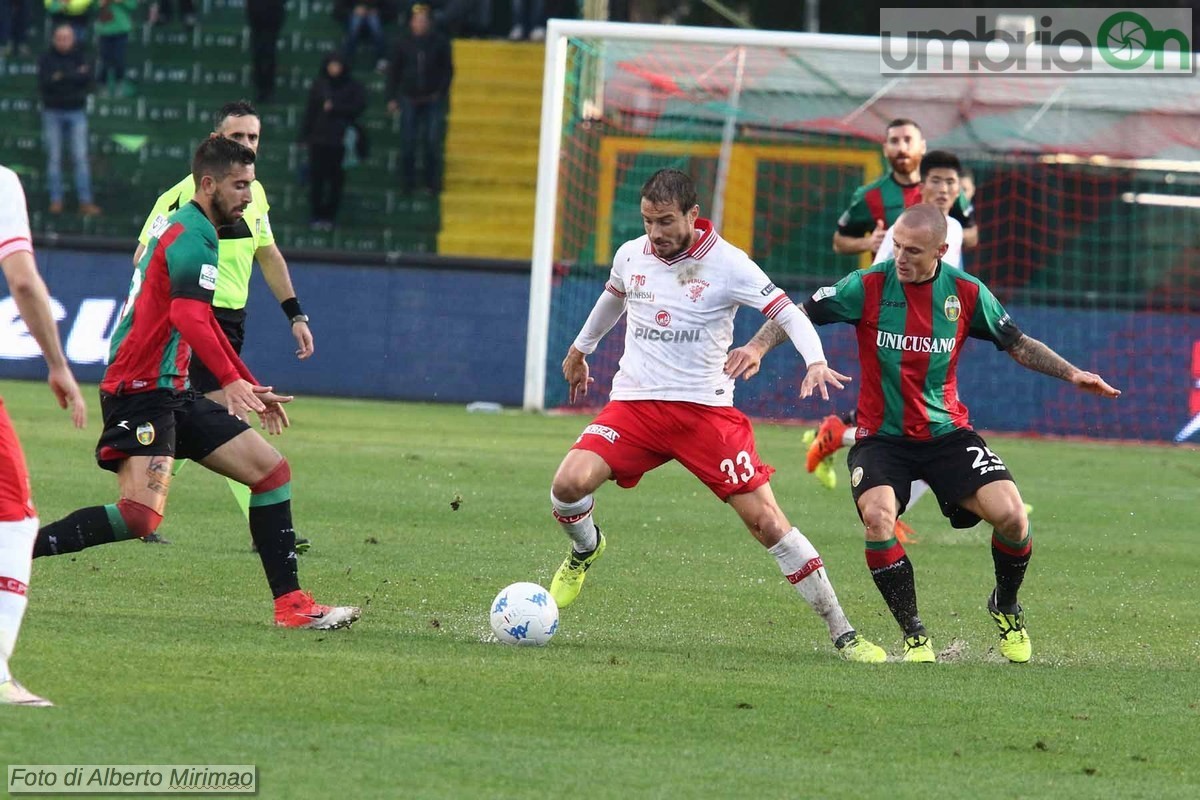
(162, 422)
(233, 323)
(955, 466)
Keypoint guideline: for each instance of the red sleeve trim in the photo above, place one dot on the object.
(18, 244)
(772, 309)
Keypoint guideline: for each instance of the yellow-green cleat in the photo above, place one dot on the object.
(826, 473)
(569, 578)
(1014, 639)
(861, 651)
(918, 650)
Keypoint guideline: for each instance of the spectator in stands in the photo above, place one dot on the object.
(114, 23)
(76, 13)
(65, 80)
(528, 20)
(365, 18)
(470, 18)
(161, 12)
(265, 18)
(14, 27)
(335, 100)
(418, 82)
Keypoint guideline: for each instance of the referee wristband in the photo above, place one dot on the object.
(291, 308)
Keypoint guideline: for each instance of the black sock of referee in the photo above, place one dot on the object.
(272, 531)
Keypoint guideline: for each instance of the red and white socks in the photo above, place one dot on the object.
(801, 564)
(576, 521)
(16, 558)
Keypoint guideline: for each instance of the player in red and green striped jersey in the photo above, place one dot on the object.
(876, 206)
(940, 172)
(152, 416)
(239, 245)
(913, 314)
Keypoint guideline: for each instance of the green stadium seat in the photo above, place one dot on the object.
(181, 78)
(18, 78)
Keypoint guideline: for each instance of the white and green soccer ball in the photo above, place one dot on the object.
(524, 614)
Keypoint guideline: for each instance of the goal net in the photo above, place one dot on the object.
(1088, 202)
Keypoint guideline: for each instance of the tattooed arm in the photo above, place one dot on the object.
(768, 336)
(1034, 355)
(744, 361)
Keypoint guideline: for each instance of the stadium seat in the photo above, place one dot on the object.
(141, 145)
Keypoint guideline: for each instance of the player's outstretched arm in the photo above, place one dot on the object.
(819, 377)
(744, 361)
(608, 309)
(274, 417)
(1035, 355)
(576, 372)
(33, 302)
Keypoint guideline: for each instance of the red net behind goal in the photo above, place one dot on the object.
(1087, 200)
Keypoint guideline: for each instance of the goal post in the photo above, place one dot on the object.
(1088, 200)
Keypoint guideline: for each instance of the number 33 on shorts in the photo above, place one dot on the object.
(738, 470)
(985, 460)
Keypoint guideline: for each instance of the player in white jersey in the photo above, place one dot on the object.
(940, 186)
(18, 519)
(680, 286)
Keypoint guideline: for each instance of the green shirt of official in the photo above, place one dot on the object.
(236, 244)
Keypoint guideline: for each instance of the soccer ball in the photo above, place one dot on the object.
(524, 614)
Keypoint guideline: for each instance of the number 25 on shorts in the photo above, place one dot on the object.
(985, 460)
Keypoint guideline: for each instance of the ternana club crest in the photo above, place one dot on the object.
(145, 434)
(952, 307)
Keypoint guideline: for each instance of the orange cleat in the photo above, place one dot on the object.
(905, 534)
(828, 441)
(298, 610)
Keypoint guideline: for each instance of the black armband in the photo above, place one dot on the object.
(291, 308)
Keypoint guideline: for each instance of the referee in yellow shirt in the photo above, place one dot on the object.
(238, 246)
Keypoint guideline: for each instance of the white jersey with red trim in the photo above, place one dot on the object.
(679, 317)
(14, 216)
(16, 501)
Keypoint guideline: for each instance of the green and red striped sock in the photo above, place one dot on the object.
(272, 531)
(893, 576)
(1011, 559)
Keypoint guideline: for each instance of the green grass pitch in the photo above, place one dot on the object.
(687, 669)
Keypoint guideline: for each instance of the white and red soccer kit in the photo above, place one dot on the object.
(671, 398)
(16, 502)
